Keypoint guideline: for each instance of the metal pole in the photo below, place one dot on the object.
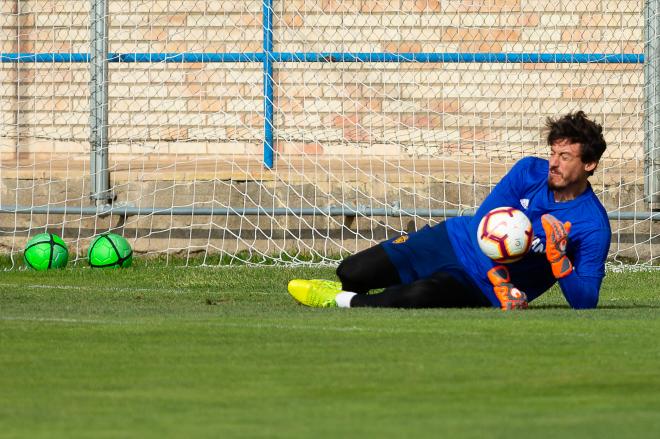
(268, 84)
(652, 104)
(17, 80)
(332, 57)
(349, 211)
(98, 164)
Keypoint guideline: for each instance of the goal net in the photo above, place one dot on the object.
(298, 131)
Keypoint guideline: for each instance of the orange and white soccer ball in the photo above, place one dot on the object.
(505, 234)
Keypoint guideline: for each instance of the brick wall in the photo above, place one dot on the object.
(422, 135)
(332, 109)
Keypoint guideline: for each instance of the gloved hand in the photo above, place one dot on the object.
(556, 240)
(509, 296)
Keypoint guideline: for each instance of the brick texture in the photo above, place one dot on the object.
(324, 109)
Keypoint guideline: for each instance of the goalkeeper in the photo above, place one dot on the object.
(442, 266)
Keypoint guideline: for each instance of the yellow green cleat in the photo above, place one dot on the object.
(315, 292)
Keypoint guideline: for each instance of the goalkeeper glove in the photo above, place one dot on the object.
(509, 296)
(556, 240)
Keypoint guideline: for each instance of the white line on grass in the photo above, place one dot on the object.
(269, 326)
(60, 320)
(261, 326)
(124, 290)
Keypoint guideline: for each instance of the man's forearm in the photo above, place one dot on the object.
(580, 292)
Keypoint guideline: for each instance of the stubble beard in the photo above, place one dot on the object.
(552, 185)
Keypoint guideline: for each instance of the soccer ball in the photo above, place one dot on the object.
(505, 234)
(110, 250)
(45, 251)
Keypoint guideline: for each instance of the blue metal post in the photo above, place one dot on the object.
(268, 83)
(326, 57)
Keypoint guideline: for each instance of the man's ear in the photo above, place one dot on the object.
(591, 166)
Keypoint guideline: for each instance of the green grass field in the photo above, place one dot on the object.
(198, 352)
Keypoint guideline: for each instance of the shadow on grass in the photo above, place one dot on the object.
(606, 306)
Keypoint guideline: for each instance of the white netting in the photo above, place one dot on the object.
(391, 143)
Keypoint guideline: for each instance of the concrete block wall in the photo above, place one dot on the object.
(321, 186)
(166, 118)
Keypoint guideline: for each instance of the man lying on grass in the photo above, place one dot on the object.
(442, 266)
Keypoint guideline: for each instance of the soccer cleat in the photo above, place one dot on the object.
(317, 293)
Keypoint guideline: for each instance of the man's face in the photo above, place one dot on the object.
(566, 167)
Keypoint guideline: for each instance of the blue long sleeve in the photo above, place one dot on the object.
(581, 292)
(581, 288)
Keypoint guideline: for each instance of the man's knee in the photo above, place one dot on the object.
(346, 271)
(355, 276)
(367, 270)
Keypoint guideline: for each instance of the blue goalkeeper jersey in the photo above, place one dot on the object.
(525, 187)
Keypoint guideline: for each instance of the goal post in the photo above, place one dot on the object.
(300, 131)
(652, 104)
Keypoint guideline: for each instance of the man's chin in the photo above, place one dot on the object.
(553, 185)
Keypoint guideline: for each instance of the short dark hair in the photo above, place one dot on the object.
(577, 128)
